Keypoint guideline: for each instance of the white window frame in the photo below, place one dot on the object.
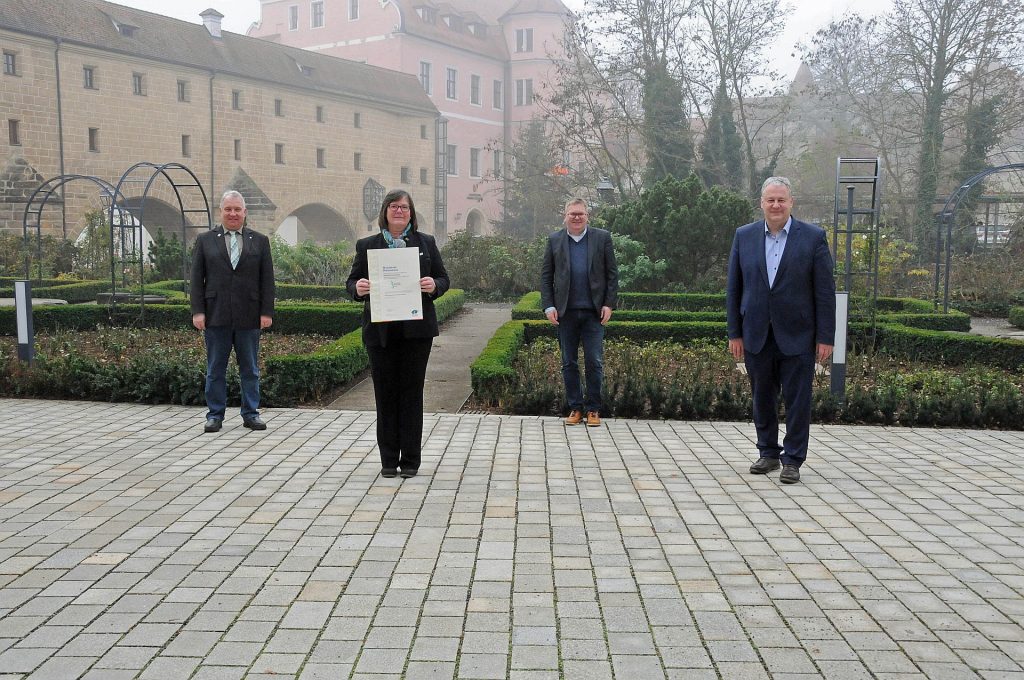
(314, 15)
(451, 160)
(524, 92)
(524, 40)
(293, 17)
(474, 90)
(451, 83)
(474, 162)
(353, 10)
(426, 77)
(498, 95)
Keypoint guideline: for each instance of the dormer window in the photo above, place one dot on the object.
(306, 70)
(479, 30)
(127, 30)
(428, 14)
(453, 21)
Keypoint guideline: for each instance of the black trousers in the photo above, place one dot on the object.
(771, 371)
(398, 372)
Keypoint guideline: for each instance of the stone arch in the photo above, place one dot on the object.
(475, 222)
(158, 214)
(317, 221)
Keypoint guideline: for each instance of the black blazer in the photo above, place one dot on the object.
(235, 298)
(430, 265)
(800, 307)
(555, 272)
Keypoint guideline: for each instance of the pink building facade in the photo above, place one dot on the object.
(480, 62)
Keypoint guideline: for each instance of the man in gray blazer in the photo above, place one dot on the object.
(232, 302)
(578, 290)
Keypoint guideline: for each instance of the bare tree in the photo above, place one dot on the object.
(730, 39)
(623, 79)
(594, 110)
(914, 77)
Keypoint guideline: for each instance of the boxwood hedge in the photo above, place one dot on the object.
(286, 380)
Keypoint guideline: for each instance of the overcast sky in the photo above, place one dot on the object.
(808, 16)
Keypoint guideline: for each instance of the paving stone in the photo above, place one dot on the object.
(528, 551)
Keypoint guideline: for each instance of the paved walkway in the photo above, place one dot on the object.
(996, 328)
(132, 545)
(448, 384)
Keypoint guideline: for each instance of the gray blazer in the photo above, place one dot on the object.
(555, 274)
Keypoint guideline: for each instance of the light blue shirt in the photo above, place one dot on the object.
(774, 246)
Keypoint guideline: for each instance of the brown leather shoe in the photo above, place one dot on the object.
(593, 420)
(575, 417)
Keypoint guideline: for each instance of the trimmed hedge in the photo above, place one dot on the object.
(1016, 316)
(671, 307)
(72, 291)
(491, 374)
(291, 380)
(158, 378)
(492, 371)
(330, 319)
(282, 291)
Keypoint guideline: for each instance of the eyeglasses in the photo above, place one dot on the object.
(398, 208)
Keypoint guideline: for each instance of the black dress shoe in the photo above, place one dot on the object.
(408, 472)
(389, 472)
(764, 465)
(212, 425)
(254, 423)
(790, 474)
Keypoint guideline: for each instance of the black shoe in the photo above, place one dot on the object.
(764, 465)
(254, 423)
(408, 472)
(212, 425)
(389, 472)
(790, 474)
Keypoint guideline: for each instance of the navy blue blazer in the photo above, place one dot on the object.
(800, 307)
(555, 271)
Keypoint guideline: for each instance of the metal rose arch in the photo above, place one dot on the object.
(188, 192)
(947, 219)
(41, 197)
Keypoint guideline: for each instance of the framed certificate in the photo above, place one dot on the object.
(394, 284)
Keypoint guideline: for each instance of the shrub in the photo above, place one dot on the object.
(49, 256)
(493, 267)
(687, 226)
(698, 380)
(173, 373)
(1017, 316)
(310, 264)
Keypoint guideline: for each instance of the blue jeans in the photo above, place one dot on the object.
(574, 326)
(219, 341)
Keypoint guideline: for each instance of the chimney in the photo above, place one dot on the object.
(211, 19)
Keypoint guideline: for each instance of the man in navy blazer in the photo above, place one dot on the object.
(232, 292)
(781, 312)
(579, 289)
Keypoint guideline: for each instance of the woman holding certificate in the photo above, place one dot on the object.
(398, 274)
